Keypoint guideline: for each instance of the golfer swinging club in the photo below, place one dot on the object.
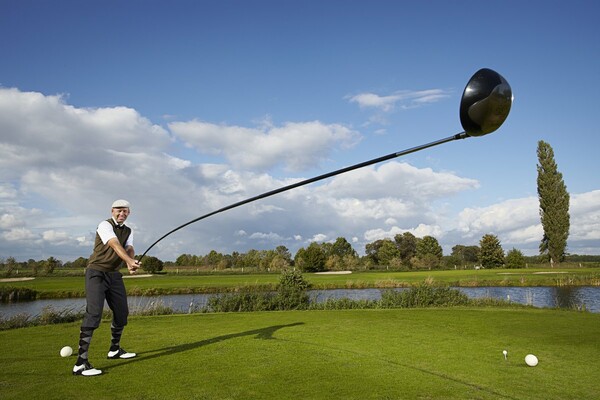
(113, 248)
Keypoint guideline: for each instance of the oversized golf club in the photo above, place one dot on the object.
(484, 106)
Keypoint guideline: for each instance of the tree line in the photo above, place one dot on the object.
(403, 252)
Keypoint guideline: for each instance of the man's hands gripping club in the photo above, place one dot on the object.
(126, 254)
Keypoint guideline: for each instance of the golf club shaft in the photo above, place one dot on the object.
(458, 136)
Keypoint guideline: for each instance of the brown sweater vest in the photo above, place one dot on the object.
(104, 258)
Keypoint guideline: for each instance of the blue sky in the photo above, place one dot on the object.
(184, 107)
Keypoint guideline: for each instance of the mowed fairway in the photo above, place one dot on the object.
(354, 354)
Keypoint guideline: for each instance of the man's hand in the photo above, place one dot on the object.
(133, 266)
(125, 254)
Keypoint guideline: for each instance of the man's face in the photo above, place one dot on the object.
(120, 214)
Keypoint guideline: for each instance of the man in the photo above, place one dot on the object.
(113, 248)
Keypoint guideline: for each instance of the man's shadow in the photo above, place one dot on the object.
(264, 334)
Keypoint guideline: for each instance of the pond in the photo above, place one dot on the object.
(562, 297)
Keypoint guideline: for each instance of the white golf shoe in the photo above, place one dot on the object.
(120, 354)
(86, 369)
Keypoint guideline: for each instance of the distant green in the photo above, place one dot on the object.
(448, 353)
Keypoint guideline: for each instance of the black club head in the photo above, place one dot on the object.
(485, 103)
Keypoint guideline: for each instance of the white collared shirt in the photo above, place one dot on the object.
(106, 232)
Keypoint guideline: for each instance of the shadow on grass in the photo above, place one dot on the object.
(267, 334)
(263, 333)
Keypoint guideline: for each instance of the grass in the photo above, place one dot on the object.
(68, 286)
(451, 353)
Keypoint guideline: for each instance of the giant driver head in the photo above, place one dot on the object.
(485, 103)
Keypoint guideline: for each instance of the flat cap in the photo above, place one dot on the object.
(121, 204)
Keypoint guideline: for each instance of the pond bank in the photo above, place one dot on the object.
(578, 297)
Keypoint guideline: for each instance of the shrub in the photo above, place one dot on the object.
(291, 292)
(515, 259)
(344, 304)
(9, 294)
(241, 302)
(48, 316)
(291, 295)
(152, 265)
(423, 295)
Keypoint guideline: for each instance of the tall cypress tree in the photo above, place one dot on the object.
(554, 205)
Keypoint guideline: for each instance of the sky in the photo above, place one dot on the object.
(185, 107)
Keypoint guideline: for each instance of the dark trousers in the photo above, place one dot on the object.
(101, 286)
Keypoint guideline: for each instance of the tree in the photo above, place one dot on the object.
(554, 205)
(51, 264)
(279, 263)
(284, 253)
(80, 262)
(372, 251)
(429, 245)
(212, 259)
(429, 252)
(187, 260)
(341, 248)
(467, 254)
(11, 265)
(311, 259)
(387, 252)
(251, 259)
(515, 259)
(152, 264)
(407, 245)
(491, 254)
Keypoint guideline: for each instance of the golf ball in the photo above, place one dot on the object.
(66, 351)
(531, 360)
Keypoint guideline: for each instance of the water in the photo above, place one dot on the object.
(564, 297)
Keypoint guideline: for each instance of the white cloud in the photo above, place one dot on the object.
(18, 234)
(501, 217)
(319, 237)
(56, 237)
(517, 222)
(403, 99)
(43, 132)
(297, 146)
(268, 237)
(8, 221)
(585, 221)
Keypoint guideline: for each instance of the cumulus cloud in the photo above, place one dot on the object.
(296, 146)
(517, 223)
(44, 132)
(17, 234)
(56, 237)
(9, 221)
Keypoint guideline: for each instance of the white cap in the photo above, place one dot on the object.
(120, 204)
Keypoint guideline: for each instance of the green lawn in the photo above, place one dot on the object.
(171, 283)
(358, 354)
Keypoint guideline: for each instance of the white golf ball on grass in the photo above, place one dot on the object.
(66, 351)
(531, 360)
